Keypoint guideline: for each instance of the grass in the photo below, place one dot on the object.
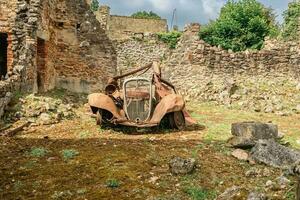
(112, 183)
(38, 152)
(218, 119)
(69, 154)
(197, 193)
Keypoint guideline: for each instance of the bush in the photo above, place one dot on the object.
(145, 15)
(291, 21)
(242, 25)
(170, 38)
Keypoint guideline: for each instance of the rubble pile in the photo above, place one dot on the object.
(43, 110)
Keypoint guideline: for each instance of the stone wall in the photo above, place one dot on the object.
(124, 27)
(203, 72)
(54, 43)
(80, 56)
(281, 59)
(138, 52)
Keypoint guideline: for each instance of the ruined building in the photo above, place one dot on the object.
(124, 27)
(46, 44)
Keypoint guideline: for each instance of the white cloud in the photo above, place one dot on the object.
(165, 5)
(212, 7)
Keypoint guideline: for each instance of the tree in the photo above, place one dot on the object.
(95, 5)
(146, 15)
(291, 21)
(242, 25)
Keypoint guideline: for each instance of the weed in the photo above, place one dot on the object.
(18, 185)
(84, 134)
(81, 191)
(30, 164)
(200, 193)
(112, 183)
(69, 154)
(38, 152)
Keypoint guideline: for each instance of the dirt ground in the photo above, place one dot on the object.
(75, 159)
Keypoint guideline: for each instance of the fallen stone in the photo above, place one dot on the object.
(246, 134)
(233, 193)
(179, 165)
(240, 154)
(273, 154)
(283, 182)
(256, 196)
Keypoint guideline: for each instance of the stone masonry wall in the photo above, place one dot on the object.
(138, 52)
(251, 78)
(18, 19)
(53, 43)
(124, 27)
(80, 56)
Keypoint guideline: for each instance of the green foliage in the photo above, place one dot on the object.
(170, 38)
(112, 183)
(291, 21)
(145, 15)
(38, 152)
(200, 193)
(95, 5)
(242, 25)
(69, 154)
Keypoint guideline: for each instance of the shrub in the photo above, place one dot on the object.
(291, 21)
(145, 15)
(95, 5)
(242, 25)
(170, 38)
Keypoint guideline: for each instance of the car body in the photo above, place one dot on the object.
(141, 102)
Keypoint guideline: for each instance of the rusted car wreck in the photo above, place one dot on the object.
(140, 102)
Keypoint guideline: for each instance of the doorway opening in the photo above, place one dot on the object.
(3, 55)
(41, 64)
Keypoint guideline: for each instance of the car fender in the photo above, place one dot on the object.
(168, 104)
(102, 101)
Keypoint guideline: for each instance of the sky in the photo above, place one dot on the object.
(188, 11)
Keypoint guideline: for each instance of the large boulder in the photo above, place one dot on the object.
(273, 154)
(246, 134)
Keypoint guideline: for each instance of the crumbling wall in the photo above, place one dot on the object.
(138, 52)
(262, 78)
(53, 43)
(18, 19)
(124, 27)
(79, 51)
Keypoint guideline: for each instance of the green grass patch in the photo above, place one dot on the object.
(38, 152)
(197, 193)
(112, 183)
(69, 154)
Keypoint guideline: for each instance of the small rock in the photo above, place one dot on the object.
(232, 193)
(283, 182)
(179, 165)
(256, 196)
(269, 183)
(240, 154)
(253, 172)
(298, 87)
